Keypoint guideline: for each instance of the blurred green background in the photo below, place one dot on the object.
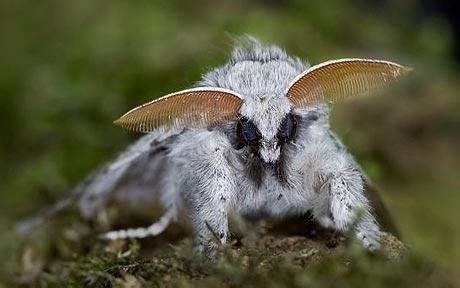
(69, 68)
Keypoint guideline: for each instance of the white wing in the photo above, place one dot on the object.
(132, 177)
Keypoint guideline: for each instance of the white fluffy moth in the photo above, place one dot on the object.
(252, 138)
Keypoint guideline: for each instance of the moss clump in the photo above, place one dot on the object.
(266, 256)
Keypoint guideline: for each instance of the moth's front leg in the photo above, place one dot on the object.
(349, 205)
(348, 208)
(208, 211)
(210, 191)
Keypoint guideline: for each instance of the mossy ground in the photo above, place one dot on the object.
(292, 253)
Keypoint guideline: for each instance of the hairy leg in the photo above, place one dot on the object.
(207, 183)
(209, 201)
(350, 209)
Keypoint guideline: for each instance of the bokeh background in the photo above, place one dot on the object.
(69, 68)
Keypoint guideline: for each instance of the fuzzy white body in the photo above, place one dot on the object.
(323, 178)
(208, 178)
(202, 174)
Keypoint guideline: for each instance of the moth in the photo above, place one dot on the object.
(253, 138)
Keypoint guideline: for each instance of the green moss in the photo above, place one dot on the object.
(266, 256)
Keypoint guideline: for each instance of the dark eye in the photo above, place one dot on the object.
(247, 131)
(287, 129)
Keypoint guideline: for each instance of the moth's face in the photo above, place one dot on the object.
(269, 149)
(266, 123)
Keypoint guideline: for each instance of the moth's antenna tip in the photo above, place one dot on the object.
(118, 122)
(407, 69)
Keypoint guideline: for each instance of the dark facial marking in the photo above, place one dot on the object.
(247, 132)
(255, 171)
(247, 135)
(287, 129)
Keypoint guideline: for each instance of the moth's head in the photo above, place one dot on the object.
(261, 101)
(265, 125)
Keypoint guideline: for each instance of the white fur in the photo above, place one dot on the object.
(209, 177)
(199, 173)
